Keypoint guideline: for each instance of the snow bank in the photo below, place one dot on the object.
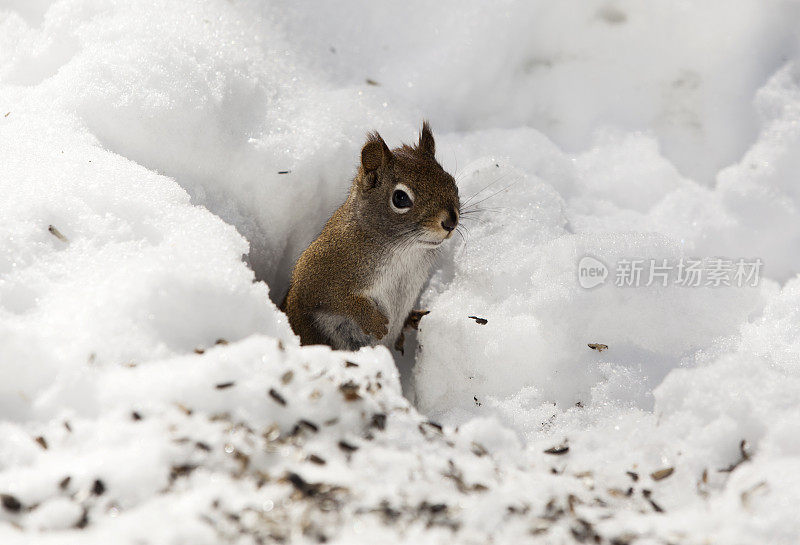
(687, 73)
(105, 262)
(161, 157)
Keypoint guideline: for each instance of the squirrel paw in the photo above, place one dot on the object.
(378, 326)
(414, 317)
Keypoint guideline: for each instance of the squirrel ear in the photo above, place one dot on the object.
(426, 143)
(375, 153)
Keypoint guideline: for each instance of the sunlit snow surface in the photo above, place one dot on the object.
(151, 392)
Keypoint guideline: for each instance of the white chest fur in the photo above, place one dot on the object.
(397, 284)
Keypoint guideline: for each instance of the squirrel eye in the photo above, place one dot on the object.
(401, 200)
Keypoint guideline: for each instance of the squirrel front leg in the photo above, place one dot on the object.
(366, 314)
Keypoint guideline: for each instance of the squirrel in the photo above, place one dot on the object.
(356, 284)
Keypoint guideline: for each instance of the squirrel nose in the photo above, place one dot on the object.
(450, 223)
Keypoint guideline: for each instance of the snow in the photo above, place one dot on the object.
(164, 163)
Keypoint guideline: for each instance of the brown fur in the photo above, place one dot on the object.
(335, 275)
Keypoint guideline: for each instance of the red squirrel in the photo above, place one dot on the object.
(356, 284)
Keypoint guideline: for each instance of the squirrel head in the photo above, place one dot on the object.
(404, 193)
